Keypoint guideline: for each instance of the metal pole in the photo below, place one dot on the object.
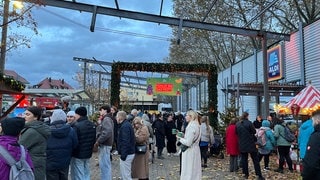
(265, 75)
(99, 90)
(84, 75)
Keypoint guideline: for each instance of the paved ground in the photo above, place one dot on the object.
(168, 169)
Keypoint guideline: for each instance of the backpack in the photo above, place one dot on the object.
(261, 138)
(19, 170)
(288, 135)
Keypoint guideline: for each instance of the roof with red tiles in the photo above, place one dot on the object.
(49, 83)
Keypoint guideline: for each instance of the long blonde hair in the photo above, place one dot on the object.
(194, 116)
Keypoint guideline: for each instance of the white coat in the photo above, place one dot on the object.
(191, 158)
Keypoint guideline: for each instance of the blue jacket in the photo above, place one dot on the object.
(126, 140)
(61, 143)
(305, 131)
(270, 140)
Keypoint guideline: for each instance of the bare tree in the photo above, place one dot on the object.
(198, 46)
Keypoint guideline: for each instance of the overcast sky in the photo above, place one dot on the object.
(65, 34)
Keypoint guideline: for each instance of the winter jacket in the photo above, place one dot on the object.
(311, 161)
(11, 144)
(140, 163)
(126, 140)
(279, 135)
(246, 134)
(270, 140)
(305, 130)
(86, 133)
(61, 143)
(105, 134)
(34, 138)
(160, 133)
(191, 158)
(232, 142)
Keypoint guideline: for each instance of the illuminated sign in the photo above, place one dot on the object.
(274, 58)
(164, 86)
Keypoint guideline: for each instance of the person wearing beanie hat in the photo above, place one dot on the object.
(81, 111)
(60, 145)
(71, 117)
(58, 115)
(11, 128)
(34, 138)
(86, 133)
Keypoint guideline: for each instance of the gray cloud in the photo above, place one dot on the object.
(65, 34)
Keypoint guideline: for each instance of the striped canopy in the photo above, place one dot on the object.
(309, 97)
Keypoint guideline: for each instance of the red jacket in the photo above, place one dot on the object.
(232, 143)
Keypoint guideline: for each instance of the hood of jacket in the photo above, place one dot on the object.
(40, 127)
(306, 125)
(265, 123)
(59, 129)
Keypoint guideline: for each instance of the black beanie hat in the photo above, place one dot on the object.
(12, 126)
(37, 112)
(82, 111)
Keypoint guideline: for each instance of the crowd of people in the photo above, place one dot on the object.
(241, 140)
(60, 146)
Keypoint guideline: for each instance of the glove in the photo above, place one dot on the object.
(123, 157)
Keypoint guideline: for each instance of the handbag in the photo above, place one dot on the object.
(141, 149)
(183, 147)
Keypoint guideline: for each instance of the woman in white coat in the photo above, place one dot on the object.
(191, 158)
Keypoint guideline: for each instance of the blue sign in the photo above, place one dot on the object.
(274, 63)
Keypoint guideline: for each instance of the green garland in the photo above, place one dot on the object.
(12, 83)
(118, 67)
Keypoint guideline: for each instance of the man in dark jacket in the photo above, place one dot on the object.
(86, 132)
(61, 143)
(126, 144)
(311, 160)
(104, 141)
(246, 135)
(160, 133)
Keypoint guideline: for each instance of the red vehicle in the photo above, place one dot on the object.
(46, 102)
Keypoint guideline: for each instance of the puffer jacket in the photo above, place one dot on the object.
(246, 134)
(34, 138)
(86, 132)
(61, 143)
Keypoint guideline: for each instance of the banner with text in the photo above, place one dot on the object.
(164, 86)
(274, 63)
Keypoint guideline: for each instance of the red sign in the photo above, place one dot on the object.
(164, 87)
(295, 109)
